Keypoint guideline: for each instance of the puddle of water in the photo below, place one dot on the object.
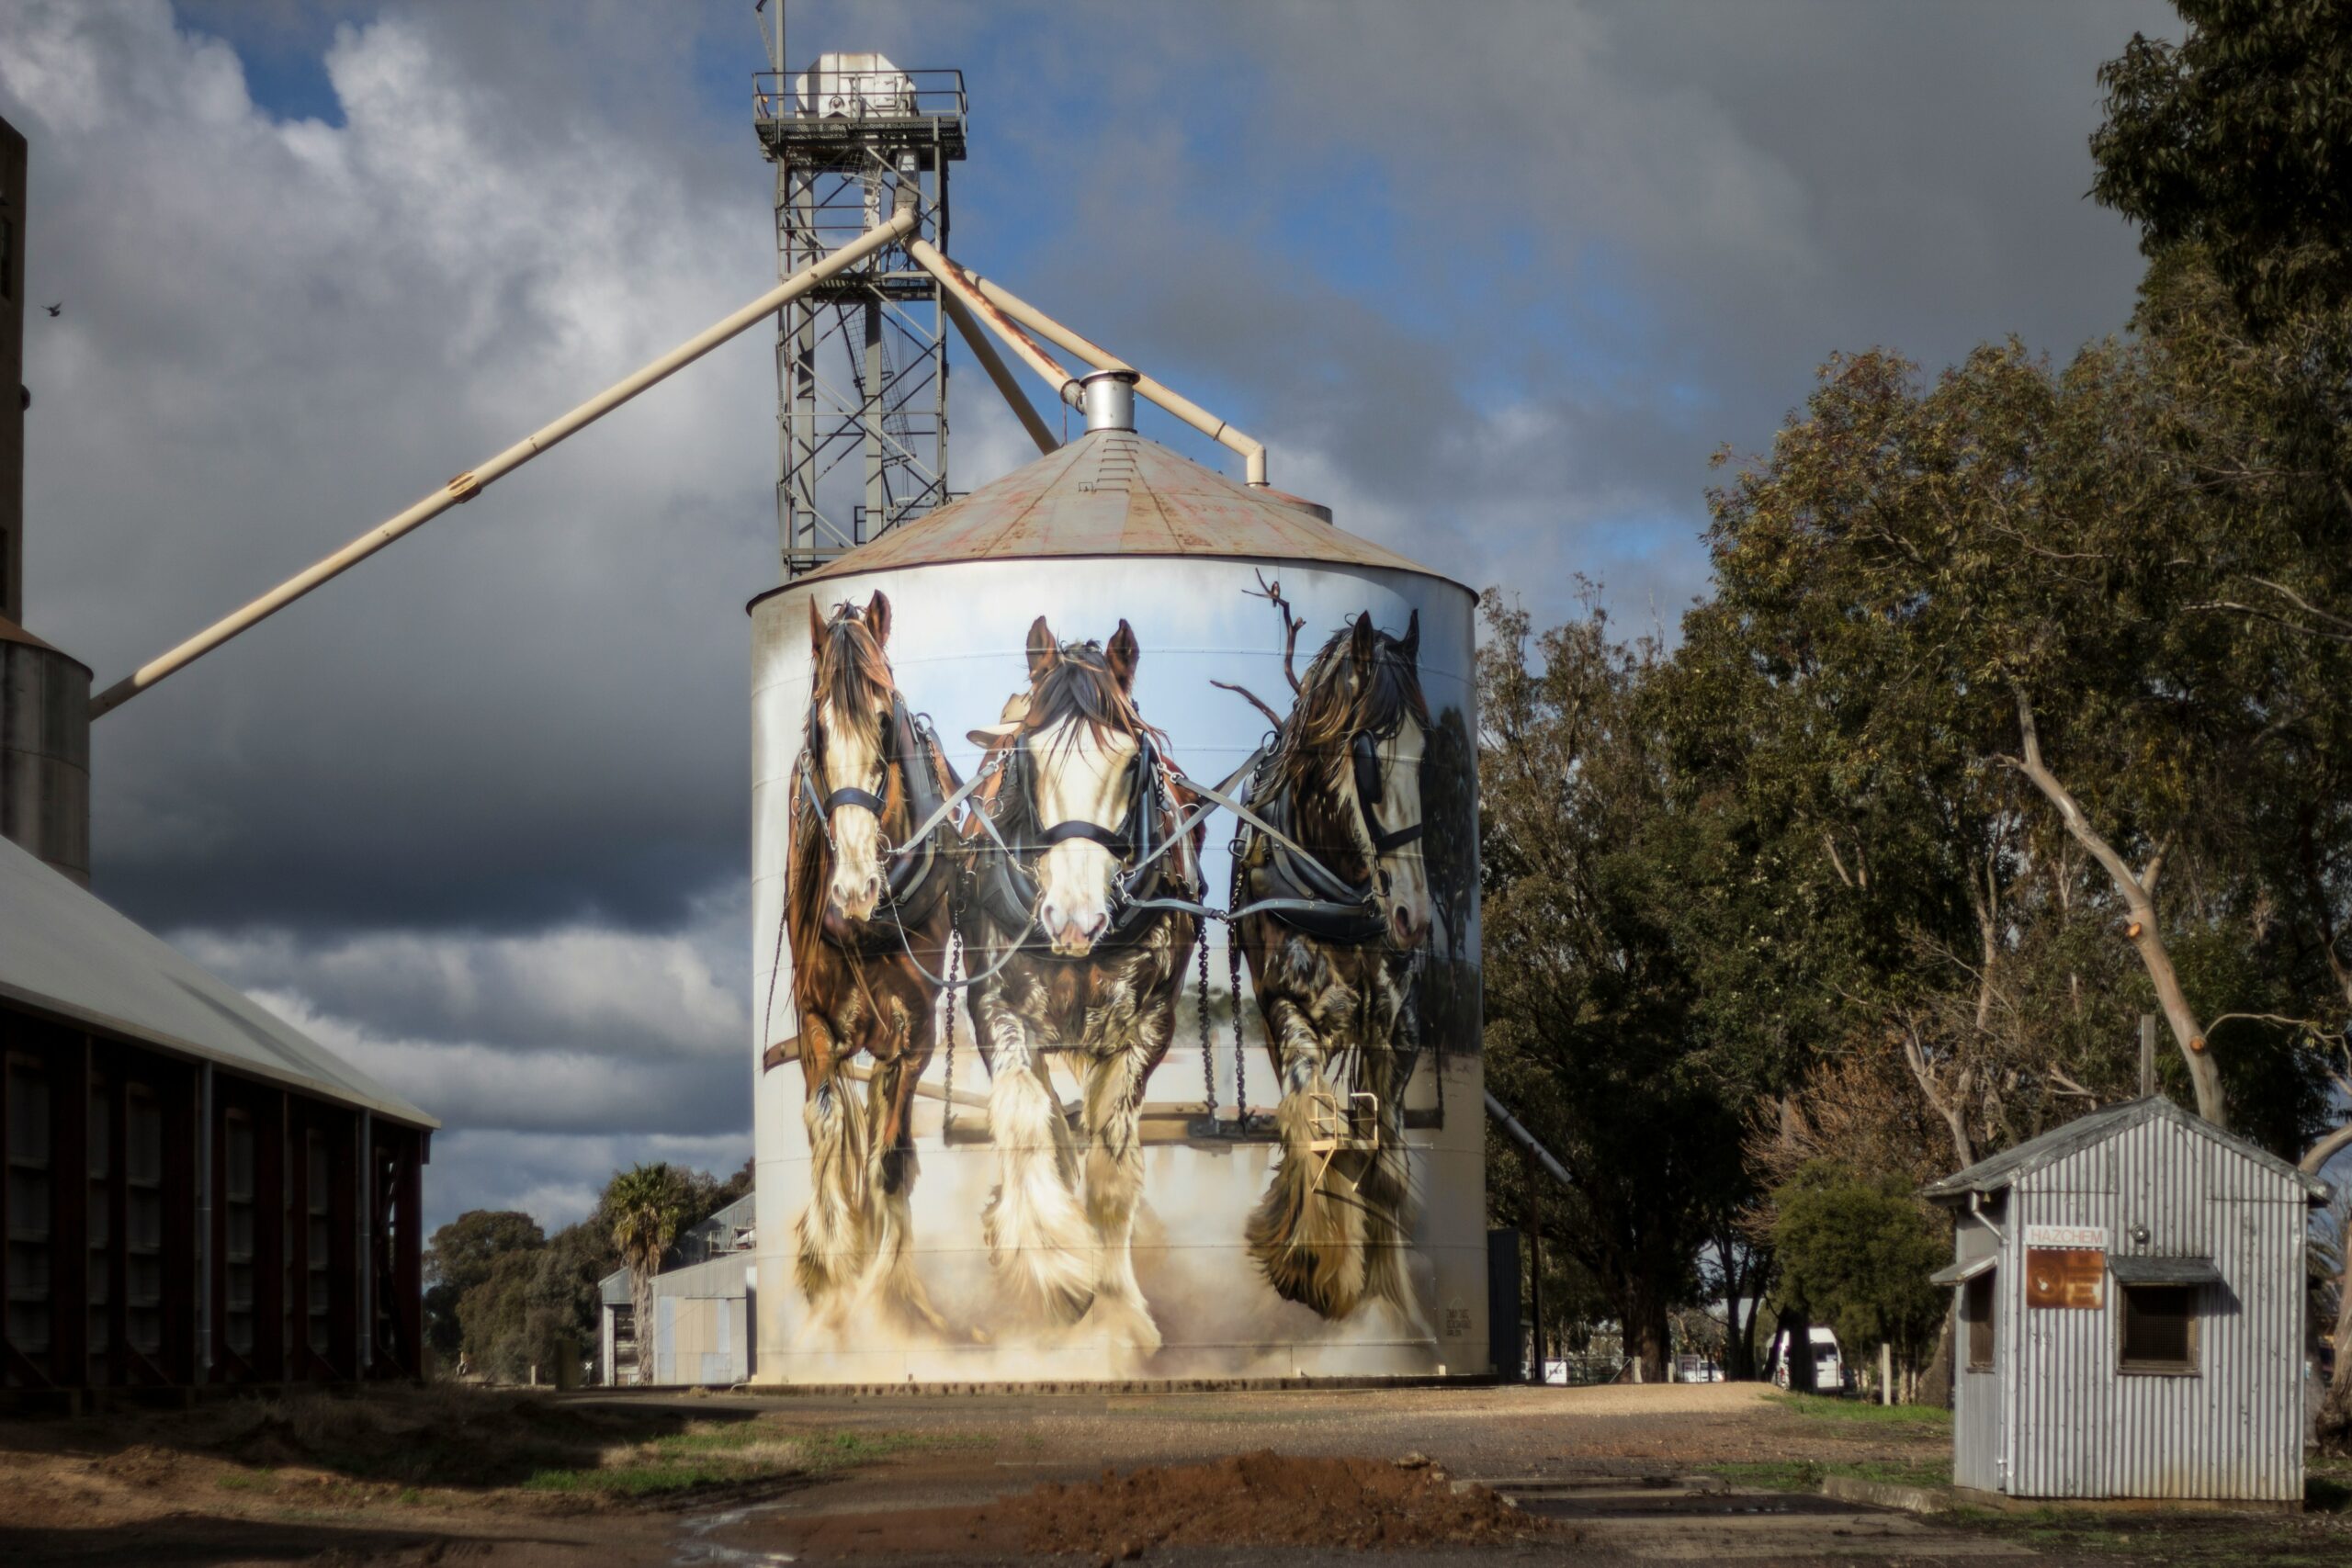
(698, 1551)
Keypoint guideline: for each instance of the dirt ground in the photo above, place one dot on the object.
(1435, 1476)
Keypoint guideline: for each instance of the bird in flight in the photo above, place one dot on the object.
(57, 309)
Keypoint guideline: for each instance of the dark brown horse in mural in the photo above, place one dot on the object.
(868, 913)
(1330, 969)
(1081, 837)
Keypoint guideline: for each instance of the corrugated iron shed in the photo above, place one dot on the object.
(2051, 1399)
(1997, 1171)
(1112, 493)
(71, 955)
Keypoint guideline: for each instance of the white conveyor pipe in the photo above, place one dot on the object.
(999, 372)
(466, 486)
(958, 285)
(1253, 452)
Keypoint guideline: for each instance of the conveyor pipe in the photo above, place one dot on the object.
(959, 283)
(467, 485)
(1526, 1140)
(1150, 388)
(999, 373)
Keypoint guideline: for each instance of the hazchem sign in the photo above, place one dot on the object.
(2065, 1265)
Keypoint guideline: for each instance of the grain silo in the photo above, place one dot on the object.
(1171, 1244)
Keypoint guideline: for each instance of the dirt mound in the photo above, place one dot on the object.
(1264, 1499)
(1257, 1499)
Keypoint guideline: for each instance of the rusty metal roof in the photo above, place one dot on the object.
(11, 632)
(1112, 493)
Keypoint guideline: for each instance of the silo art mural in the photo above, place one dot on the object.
(1115, 918)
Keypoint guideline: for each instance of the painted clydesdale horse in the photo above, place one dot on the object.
(867, 913)
(1083, 811)
(1343, 782)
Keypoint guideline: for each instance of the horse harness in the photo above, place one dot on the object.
(917, 877)
(1273, 875)
(1005, 883)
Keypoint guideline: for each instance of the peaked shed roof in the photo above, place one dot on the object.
(66, 953)
(2000, 1170)
(1112, 493)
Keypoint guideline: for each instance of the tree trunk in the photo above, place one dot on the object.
(1535, 1258)
(640, 1290)
(2336, 1411)
(2138, 889)
(1935, 1378)
(1796, 1338)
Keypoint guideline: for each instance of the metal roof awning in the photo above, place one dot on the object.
(1961, 1273)
(2163, 1270)
(71, 955)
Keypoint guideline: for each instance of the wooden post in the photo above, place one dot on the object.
(1887, 1372)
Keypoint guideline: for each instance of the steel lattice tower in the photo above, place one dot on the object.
(861, 363)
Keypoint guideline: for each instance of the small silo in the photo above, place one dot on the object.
(1220, 1269)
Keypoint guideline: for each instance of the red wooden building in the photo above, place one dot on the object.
(197, 1193)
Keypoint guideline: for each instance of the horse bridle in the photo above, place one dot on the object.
(1010, 890)
(1363, 750)
(904, 738)
(846, 796)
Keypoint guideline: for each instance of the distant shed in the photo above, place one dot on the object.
(2131, 1313)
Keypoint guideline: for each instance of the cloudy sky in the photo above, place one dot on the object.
(1494, 280)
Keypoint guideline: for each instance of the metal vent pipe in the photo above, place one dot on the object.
(1110, 400)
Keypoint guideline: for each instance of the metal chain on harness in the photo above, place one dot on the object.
(947, 1081)
(1208, 1063)
(1240, 1061)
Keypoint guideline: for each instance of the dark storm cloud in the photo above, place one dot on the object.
(1493, 280)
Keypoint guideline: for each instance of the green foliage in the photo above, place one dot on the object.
(1857, 1251)
(1589, 999)
(2238, 141)
(460, 1258)
(643, 1208)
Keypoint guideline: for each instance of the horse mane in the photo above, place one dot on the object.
(854, 677)
(1331, 710)
(1079, 687)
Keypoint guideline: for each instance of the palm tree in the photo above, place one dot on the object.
(643, 1208)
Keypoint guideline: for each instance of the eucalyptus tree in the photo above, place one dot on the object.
(1592, 1031)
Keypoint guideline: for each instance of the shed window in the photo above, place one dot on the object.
(28, 1205)
(142, 1170)
(1976, 1310)
(2159, 1328)
(238, 1227)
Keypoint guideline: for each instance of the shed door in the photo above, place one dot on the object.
(2064, 1381)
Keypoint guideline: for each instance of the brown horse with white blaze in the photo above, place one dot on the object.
(1331, 968)
(1083, 820)
(868, 913)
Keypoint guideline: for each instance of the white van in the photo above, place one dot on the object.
(1829, 1361)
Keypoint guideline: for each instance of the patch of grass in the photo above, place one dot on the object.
(636, 1479)
(409, 1498)
(1774, 1475)
(729, 1455)
(1806, 1475)
(2327, 1494)
(1822, 1407)
(246, 1481)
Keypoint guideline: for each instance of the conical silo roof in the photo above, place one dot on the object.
(1112, 493)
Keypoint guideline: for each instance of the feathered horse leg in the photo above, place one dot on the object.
(830, 1235)
(1307, 1231)
(1113, 1188)
(891, 1286)
(1386, 1194)
(1037, 1235)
